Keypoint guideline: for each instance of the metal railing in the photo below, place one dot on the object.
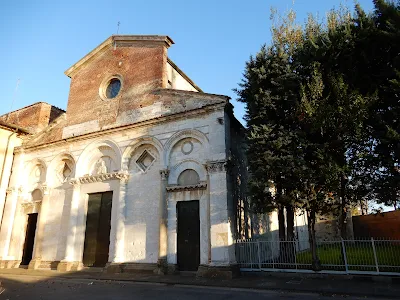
(368, 256)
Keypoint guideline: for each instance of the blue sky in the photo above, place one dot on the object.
(213, 39)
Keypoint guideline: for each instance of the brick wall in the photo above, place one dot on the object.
(141, 67)
(34, 117)
(384, 225)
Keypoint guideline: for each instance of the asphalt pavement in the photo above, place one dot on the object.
(35, 288)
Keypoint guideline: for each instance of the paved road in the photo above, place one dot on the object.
(34, 288)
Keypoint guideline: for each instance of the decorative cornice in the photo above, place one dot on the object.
(178, 188)
(157, 120)
(122, 176)
(216, 166)
(117, 40)
(164, 174)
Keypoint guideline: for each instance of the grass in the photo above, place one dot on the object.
(360, 256)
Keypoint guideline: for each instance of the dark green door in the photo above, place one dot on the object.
(98, 226)
(188, 232)
(29, 239)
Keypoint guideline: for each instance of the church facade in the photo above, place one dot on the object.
(142, 171)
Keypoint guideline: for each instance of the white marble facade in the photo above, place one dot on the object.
(141, 166)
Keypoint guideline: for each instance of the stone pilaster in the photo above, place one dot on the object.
(222, 251)
(162, 267)
(118, 236)
(70, 262)
(208, 168)
(120, 222)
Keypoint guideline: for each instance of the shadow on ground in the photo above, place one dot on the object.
(95, 284)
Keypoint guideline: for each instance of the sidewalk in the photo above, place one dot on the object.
(326, 285)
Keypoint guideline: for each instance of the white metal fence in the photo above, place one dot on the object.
(369, 256)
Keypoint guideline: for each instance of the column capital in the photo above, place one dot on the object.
(164, 174)
(45, 188)
(123, 176)
(216, 166)
(11, 190)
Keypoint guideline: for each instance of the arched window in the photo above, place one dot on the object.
(37, 195)
(188, 177)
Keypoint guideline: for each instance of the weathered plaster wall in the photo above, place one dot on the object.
(177, 81)
(8, 141)
(135, 223)
(141, 210)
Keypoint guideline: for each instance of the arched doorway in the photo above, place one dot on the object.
(31, 230)
(188, 226)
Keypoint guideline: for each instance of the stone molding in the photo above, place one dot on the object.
(122, 176)
(164, 174)
(31, 204)
(179, 188)
(216, 166)
(119, 128)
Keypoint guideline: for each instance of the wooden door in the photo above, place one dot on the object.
(188, 235)
(29, 239)
(98, 226)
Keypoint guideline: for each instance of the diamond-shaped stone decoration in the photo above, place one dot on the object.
(145, 160)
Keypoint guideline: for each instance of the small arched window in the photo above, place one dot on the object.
(188, 177)
(37, 195)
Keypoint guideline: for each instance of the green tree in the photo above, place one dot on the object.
(378, 45)
(268, 90)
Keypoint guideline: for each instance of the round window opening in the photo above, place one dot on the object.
(113, 88)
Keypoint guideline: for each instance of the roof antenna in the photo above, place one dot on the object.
(13, 99)
(115, 43)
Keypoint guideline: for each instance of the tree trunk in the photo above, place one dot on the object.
(362, 207)
(281, 223)
(289, 223)
(290, 249)
(316, 263)
(281, 213)
(343, 212)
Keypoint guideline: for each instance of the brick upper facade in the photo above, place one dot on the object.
(141, 64)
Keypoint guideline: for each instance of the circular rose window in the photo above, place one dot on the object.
(113, 88)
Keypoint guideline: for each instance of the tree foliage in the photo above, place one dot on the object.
(322, 112)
